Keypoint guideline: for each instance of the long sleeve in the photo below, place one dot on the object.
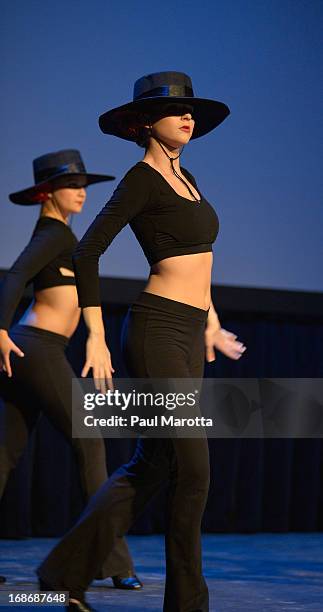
(45, 244)
(129, 199)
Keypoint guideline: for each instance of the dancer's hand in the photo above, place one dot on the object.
(98, 358)
(223, 341)
(6, 346)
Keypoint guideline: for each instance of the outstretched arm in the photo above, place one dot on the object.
(47, 241)
(128, 200)
(45, 244)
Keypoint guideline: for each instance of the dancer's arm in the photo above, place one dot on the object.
(130, 198)
(98, 356)
(45, 244)
(215, 336)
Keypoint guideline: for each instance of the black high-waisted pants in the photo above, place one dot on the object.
(162, 338)
(42, 382)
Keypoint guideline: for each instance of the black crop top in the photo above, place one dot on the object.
(165, 224)
(49, 249)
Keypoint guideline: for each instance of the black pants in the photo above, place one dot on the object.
(42, 382)
(162, 338)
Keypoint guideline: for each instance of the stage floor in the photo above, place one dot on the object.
(245, 573)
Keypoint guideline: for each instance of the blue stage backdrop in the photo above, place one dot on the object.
(64, 63)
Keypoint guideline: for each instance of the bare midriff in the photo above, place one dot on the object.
(54, 309)
(185, 278)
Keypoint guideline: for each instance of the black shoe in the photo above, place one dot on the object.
(2, 579)
(80, 606)
(129, 581)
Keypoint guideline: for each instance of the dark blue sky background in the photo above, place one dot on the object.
(63, 63)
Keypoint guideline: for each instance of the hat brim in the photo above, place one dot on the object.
(208, 114)
(29, 196)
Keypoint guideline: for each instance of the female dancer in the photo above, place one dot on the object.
(36, 374)
(167, 331)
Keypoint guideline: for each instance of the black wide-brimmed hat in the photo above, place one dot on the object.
(150, 93)
(54, 171)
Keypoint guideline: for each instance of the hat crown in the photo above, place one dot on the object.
(166, 84)
(66, 161)
(151, 92)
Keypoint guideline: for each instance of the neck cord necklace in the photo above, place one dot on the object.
(172, 159)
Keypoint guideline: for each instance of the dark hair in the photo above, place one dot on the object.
(133, 125)
(139, 130)
(142, 136)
